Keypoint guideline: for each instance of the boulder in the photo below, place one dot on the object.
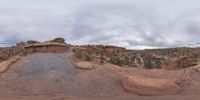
(149, 86)
(85, 65)
(58, 40)
(6, 64)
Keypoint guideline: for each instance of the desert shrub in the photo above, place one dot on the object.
(148, 64)
(129, 63)
(133, 57)
(78, 54)
(122, 61)
(157, 64)
(87, 58)
(73, 50)
(116, 61)
(3, 58)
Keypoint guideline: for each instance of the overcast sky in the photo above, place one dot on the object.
(135, 24)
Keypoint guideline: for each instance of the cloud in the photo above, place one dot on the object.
(132, 27)
(136, 24)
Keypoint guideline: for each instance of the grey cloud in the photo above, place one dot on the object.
(155, 31)
(127, 23)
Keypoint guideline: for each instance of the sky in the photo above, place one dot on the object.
(134, 24)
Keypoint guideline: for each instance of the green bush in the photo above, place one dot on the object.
(87, 58)
(73, 50)
(78, 54)
(150, 64)
(116, 61)
(157, 64)
(131, 64)
(3, 58)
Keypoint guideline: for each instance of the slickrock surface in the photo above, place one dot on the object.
(6, 64)
(85, 65)
(149, 86)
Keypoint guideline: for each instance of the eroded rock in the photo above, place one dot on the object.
(58, 40)
(85, 65)
(5, 65)
(32, 42)
(149, 86)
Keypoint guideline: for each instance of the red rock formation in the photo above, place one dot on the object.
(85, 65)
(21, 45)
(57, 45)
(53, 48)
(58, 40)
(149, 86)
(5, 65)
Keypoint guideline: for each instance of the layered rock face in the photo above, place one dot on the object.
(21, 44)
(52, 48)
(57, 45)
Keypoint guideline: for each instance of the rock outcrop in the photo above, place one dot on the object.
(85, 65)
(149, 86)
(57, 45)
(5, 65)
(21, 45)
(58, 40)
(32, 42)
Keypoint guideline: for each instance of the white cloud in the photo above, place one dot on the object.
(127, 23)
